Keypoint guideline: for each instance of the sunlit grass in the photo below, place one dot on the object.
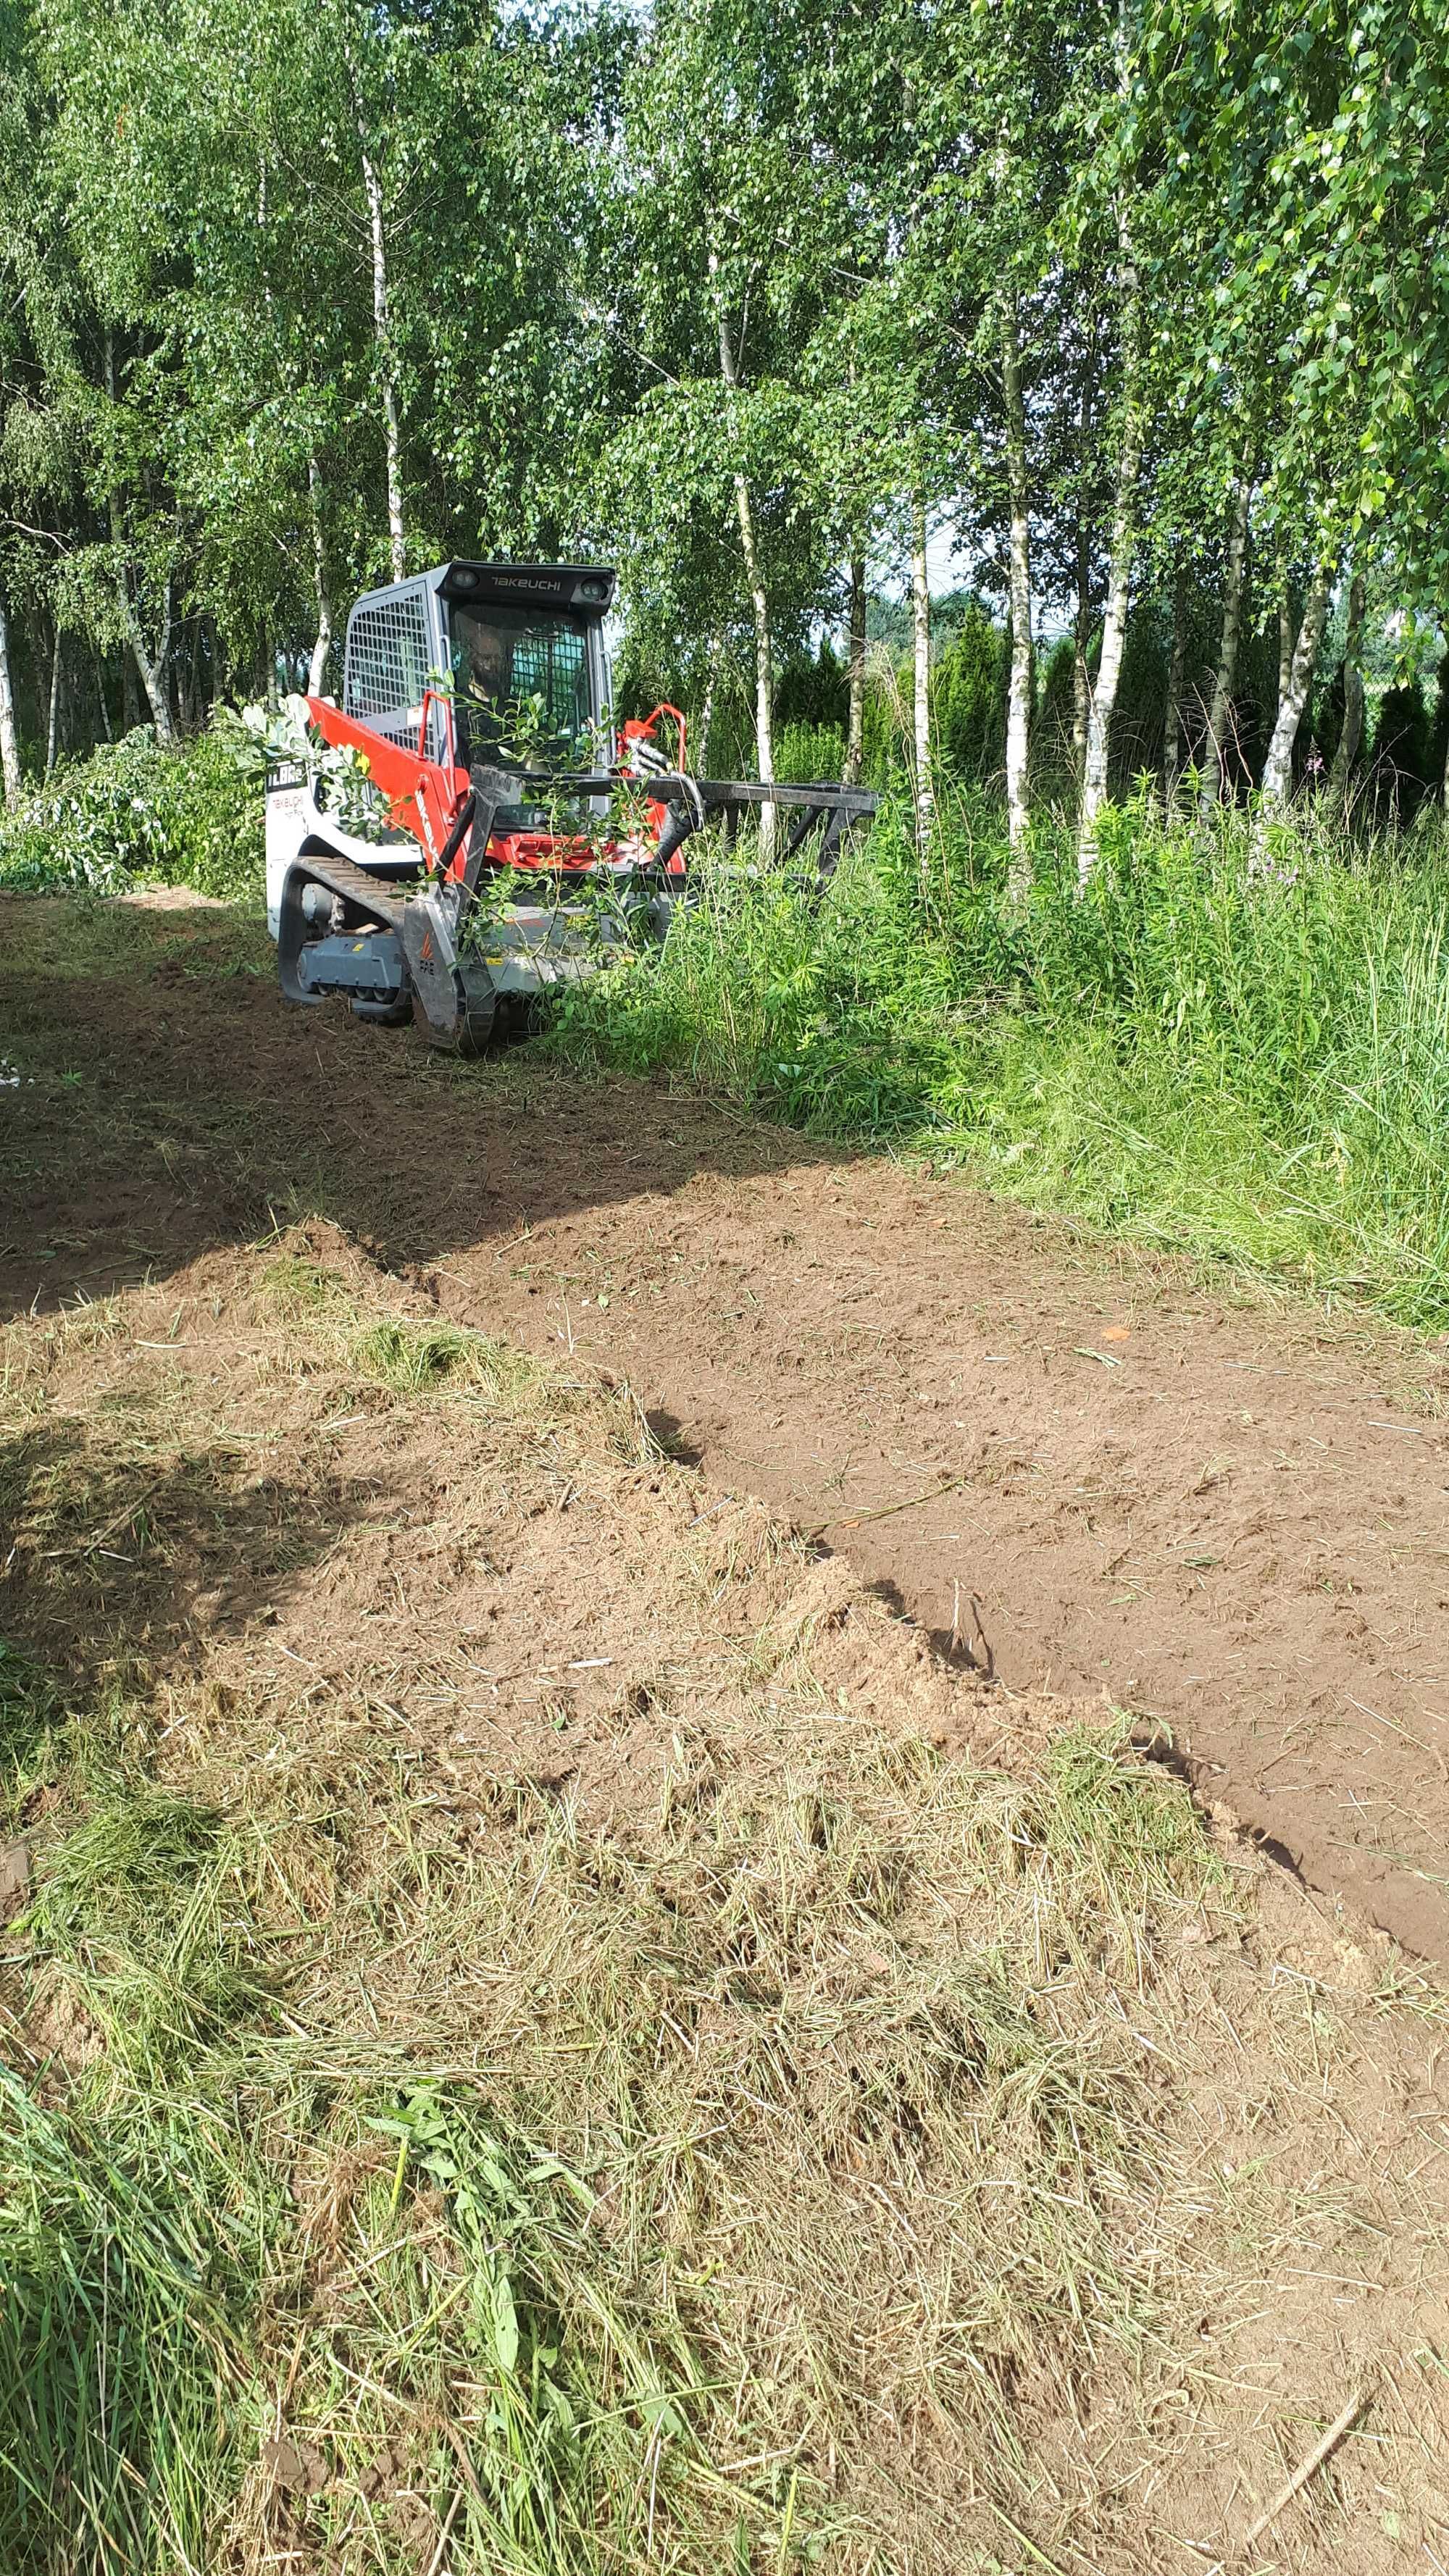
(1250, 1062)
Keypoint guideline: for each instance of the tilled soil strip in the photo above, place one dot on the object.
(1229, 1518)
(1082, 1466)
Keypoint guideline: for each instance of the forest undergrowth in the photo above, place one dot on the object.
(1234, 1048)
(134, 813)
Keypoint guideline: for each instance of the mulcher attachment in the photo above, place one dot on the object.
(340, 930)
(392, 959)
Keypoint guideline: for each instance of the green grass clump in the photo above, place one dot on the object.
(29, 1713)
(297, 1286)
(1243, 1055)
(569, 2419)
(144, 1910)
(403, 1354)
(127, 2277)
(184, 2169)
(131, 2205)
(409, 1357)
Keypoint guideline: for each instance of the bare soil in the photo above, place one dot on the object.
(1074, 1465)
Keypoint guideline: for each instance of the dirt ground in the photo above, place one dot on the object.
(595, 1769)
(1069, 1462)
(1040, 2176)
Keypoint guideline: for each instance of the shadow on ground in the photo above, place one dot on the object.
(109, 1556)
(162, 1100)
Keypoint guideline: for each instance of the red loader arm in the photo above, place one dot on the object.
(423, 796)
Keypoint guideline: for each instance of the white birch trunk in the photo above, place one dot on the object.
(921, 604)
(392, 439)
(9, 740)
(1081, 677)
(764, 661)
(1285, 636)
(855, 733)
(322, 645)
(759, 602)
(152, 667)
(1018, 706)
(1278, 767)
(1214, 778)
(711, 691)
(1081, 682)
(1350, 740)
(1103, 698)
(52, 727)
(1172, 718)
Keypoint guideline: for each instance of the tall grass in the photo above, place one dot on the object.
(1246, 1059)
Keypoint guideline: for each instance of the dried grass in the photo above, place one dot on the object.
(575, 2043)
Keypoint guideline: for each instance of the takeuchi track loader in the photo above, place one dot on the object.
(515, 840)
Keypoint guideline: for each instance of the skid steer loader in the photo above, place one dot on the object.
(500, 837)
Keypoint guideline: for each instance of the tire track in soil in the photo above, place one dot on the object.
(1225, 1513)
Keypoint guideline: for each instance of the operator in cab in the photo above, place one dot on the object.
(522, 677)
(483, 675)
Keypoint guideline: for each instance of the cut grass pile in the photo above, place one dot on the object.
(547, 2033)
(1247, 1060)
(133, 813)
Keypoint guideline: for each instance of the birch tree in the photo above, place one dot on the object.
(15, 158)
(921, 767)
(754, 571)
(1350, 739)
(855, 682)
(1213, 781)
(1103, 698)
(385, 353)
(1018, 715)
(1172, 717)
(10, 775)
(1311, 158)
(724, 245)
(1277, 783)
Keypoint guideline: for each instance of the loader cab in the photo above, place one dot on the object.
(516, 649)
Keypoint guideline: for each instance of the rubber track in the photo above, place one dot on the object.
(355, 885)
